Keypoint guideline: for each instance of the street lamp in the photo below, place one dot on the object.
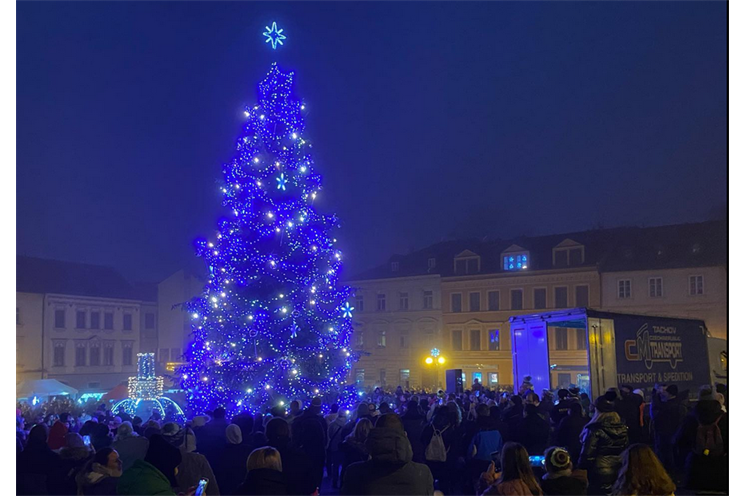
(436, 359)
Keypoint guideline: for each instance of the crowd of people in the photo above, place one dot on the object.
(478, 442)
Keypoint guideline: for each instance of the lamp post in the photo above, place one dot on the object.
(436, 359)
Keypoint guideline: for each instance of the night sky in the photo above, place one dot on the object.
(428, 120)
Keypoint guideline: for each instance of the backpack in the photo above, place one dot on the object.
(436, 451)
(709, 440)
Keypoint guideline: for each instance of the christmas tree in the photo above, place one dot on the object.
(274, 323)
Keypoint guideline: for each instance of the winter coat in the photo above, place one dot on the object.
(96, 479)
(297, 467)
(193, 467)
(36, 468)
(131, 449)
(334, 434)
(263, 481)
(309, 434)
(72, 461)
(390, 470)
(414, 425)
(602, 445)
(704, 473)
(143, 478)
(667, 416)
(568, 434)
(560, 410)
(211, 439)
(231, 471)
(534, 433)
(628, 407)
(569, 485)
(510, 488)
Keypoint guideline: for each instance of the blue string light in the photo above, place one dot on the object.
(273, 323)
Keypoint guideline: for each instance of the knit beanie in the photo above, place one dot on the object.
(557, 459)
(233, 434)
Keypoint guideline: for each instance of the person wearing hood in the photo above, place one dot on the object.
(129, 445)
(58, 431)
(231, 470)
(390, 469)
(559, 479)
(193, 466)
(703, 442)
(156, 474)
(37, 465)
(73, 457)
(297, 467)
(604, 439)
(264, 474)
(101, 475)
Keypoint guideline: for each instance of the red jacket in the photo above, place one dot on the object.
(57, 435)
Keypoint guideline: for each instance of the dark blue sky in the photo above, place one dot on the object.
(428, 120)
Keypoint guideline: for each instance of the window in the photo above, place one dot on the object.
(359, 339)
(175, 354)
(149, 320)
(475, 340)
(394, 266)
(127, 353)
(624, 289)
(127, 322)
(516, 298)
(80, 319)
(59, 319)
(493, 378)
(359, 303)
(80, 351)
(404, 341)
(474, 302)
(561, 338)
(470, 265)
(108, 320)
(381, 338)
(108, 353)
(655, 287)
(431, 262)
(539, 298)
(59, 353)
(560, 297)
(581, 338)
(476, 375)
(582, 296)
(456, 302)
(564, 380)
(567, 257)
(403, 377)
(95, 320)
(163, 355)
(515, 261)
(381, 303)
(359, 376)
(457, 338)
(382, 377)
(18, 316)
(494, 340)
(95, 354)
(403, 301)
(695, 285)
(575, 256)
(493, 297)
(428, 300)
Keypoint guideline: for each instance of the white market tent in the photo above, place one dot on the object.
(43, 388)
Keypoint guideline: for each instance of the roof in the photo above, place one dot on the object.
(39, 275)
(702, 244)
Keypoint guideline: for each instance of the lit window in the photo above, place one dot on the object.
(494, 340)
(515, 261)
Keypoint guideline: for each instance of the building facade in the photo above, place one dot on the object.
(77, 323)
(174, 324)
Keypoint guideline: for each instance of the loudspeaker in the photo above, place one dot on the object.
(454, 380)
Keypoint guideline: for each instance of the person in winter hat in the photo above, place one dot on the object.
(390, 469)
(73, 456)
(101, 475)
(193, 466)
(559, 478)
(129, 445)
(604, 439)
(231, 471)
(156, 474)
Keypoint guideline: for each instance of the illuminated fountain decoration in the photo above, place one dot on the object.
(147, 390)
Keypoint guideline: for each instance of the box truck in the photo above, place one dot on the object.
(596, 350)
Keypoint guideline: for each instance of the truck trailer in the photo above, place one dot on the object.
(613, 349)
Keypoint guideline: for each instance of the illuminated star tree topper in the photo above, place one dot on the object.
(274, 35)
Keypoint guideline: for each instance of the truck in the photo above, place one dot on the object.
(612, 349)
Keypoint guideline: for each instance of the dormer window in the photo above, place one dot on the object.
(516, 261)
(394, 266)
(569, 253)
(467, 262)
